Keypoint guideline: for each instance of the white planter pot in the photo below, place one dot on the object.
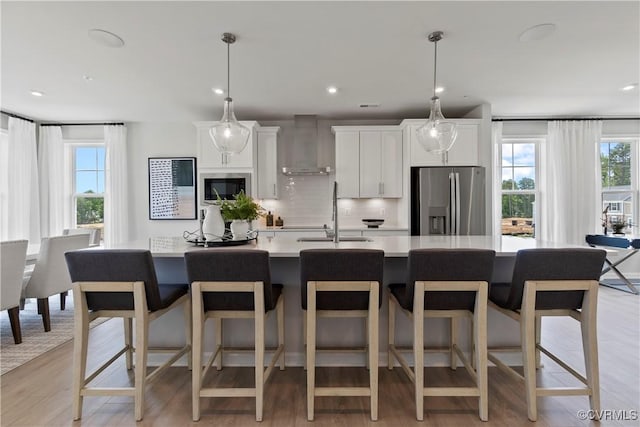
(213, 224)
(240, 228)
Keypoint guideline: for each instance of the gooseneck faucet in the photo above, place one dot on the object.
(336, 238)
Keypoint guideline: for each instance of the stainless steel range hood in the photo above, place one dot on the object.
(305, 148)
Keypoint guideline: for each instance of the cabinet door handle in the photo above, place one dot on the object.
(224, 159)
(274, 190)
(382, 185)
(379, 188)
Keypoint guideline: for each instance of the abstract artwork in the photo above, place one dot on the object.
(172, 188)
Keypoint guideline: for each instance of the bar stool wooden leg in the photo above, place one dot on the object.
(527, 331)
(472, 343)
(188, 324)
(142, 334)
(590, 345)
(259, 349)
(391, 332)
(311, 348)
(196, 350)
(538, 337)
(80, 344)
(453, 359)
(219, 341)
(280, 321)
(373, 330)
(480, 344)
(304, 337)
(128, 341)
(418, 348)
(367, 328)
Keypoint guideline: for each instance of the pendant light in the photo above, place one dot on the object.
(437, 135)
(229, 135)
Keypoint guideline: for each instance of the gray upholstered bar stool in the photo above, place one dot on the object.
(341, 283)
(552, 282)
(445, 283)
(120, 283)
(233, 284)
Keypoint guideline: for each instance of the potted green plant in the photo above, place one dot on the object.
(240, 212)
(618, 226)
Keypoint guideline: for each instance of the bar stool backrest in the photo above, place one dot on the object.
(448, 265)
(236, 265)
(554, 264)
(115, 265)
(341, 265)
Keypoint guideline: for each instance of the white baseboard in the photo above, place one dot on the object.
(327, 360)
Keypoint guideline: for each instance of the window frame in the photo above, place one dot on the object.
(71, 145)
(634, 142)
(537, 142)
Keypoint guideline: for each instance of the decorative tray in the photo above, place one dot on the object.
(227, 240)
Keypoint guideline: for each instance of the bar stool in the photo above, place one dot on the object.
(445, 283)
(552, 282)
(341, 283)
(233, 284)
(120, 283)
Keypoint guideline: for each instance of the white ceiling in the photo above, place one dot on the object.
(287, 53)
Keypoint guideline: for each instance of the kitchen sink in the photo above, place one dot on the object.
(330, 239)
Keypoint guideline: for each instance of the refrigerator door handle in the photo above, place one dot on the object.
(451, 214)
(457, 186)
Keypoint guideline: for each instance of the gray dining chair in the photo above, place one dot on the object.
(13, 256)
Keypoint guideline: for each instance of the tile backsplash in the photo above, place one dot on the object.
(306, 200)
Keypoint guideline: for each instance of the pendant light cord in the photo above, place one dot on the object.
(228, 71)
(435, 66)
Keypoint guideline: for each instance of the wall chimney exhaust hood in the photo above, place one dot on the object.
(304, 150)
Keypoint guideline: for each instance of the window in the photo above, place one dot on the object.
(88, 185)
(619, 187)
(519, 177)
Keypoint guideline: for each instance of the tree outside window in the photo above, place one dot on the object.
(89, 186)
(617, 185)
(518, 165)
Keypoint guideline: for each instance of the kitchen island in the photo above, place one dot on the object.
(284, 253)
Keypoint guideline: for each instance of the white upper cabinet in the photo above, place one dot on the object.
(464, 151)
(347, 164)
(210, 158)
(267, 164)
(380, 164)
(368, 161)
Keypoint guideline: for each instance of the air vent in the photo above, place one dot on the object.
(370, 105)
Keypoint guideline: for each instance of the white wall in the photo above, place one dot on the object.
(155, 140)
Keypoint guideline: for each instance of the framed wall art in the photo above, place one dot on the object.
(172, 188)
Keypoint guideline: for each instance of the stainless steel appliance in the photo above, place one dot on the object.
(225, 184)
(448, 200)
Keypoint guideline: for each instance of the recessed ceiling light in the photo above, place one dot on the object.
(332, 90)
(537, 32)
(87, 78)
(37, 93)
(439, 89)
(106, 38)
(630, 87)
(217, 91)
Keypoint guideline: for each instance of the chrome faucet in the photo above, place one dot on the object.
(336, 238)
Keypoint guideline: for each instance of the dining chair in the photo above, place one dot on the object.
(233, 284)
(50, 275)
(552, 282)
(123, 284)
(13, 256)
(451, 284)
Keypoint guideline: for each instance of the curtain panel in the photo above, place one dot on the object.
(116, 206)
(51, 174)
(571, 190)
(23, 205)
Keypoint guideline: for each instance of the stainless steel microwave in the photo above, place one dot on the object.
(225, 184)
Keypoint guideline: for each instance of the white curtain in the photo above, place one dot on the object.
(51, 172)
(496, 140)
(23, 207)
(116, 206)
(570, 196)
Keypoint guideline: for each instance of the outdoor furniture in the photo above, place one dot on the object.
(599, 240)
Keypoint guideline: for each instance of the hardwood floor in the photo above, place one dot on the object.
(39, 392)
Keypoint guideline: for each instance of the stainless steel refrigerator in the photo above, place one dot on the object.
(448, 200)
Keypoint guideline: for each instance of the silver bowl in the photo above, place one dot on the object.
(373, 223)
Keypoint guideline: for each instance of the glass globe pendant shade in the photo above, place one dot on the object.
(438, 134)
(229, 135)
